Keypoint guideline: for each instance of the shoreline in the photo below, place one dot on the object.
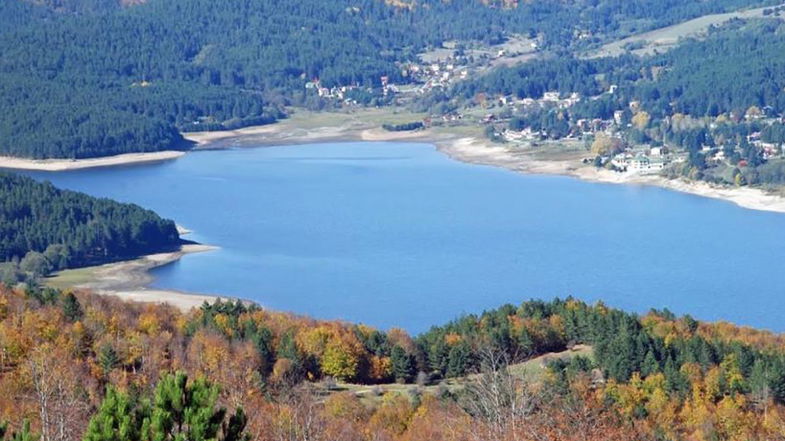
(471, 149)
(56, 165)
(304, 127)
(474, 151)
(129, 280)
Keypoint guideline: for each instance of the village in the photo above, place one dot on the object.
(443, 68)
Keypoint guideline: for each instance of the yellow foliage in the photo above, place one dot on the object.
(712, 386)
(224, 324)
(3, 306)
(732, 372)
(345, 405)
(393, 416)
(731, 418)
(314, 341)
(380, 368)
(211, 351)
(148, 323)
(340, 361)
(452, 339)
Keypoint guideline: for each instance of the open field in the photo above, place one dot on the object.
(531, 370)
(516, 49)
(663, 39)
(304, 126)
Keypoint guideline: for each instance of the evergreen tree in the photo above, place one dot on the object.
(107, 358)
(179, 411)
(402, 365)
(650, 365)
(44, 228)
(72, 310)
(438, 356)
(183, 411)
(116, 419)
(458, 360)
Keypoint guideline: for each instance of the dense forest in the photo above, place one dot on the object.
(80, 366)
(91, 78)
(44, 229)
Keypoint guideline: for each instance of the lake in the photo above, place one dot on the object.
(397, 234)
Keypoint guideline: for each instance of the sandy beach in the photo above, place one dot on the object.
(54, 165)
(128, 280)
(480, 151)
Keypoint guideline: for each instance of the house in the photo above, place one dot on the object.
(638, 163)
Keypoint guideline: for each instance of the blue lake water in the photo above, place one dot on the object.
(395, 234)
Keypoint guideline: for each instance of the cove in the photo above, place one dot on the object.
(397, 234)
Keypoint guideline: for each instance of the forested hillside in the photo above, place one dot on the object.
(91, 79)
(44, 229)
(736, 67)
(78, 366)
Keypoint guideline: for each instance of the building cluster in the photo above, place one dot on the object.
(646, 160)
(440, 74)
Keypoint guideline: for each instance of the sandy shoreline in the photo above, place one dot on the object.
(343, 127)
(129, 280)
(477, 151)
(55, 165)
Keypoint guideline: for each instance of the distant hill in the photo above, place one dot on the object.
(100, 79)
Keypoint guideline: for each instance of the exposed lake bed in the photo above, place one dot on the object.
(362, 231)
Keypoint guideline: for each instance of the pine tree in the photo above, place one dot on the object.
(438, 355)
(650, 364)
(107, 358)
(458, 360)
(71, 308)
(115, 420)
(402, 365)
(183, 411)
(179, 411)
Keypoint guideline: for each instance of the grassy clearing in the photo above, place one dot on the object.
(305, 119)
(532, 370)
(663, 39)
(70, 278)
(515, 49)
